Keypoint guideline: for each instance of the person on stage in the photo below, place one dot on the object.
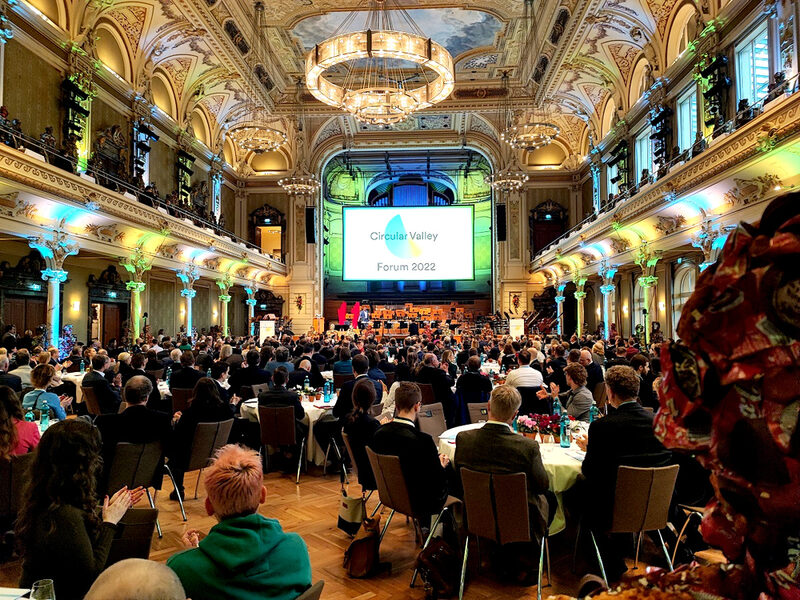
(363, 318)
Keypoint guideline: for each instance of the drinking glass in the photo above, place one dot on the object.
(43, 590)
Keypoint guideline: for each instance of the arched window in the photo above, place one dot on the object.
(684, 282)
(637, 317)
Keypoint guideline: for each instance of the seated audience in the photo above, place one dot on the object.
(17, 436)
(594, 372)
(281, 360)
(248, 374)
(137, 579)
(343, 366)
(423, 467)
(9, 379)
(137, 368)
(186, 376)
(578, 400)
(524, 375)
(107, 395)
(360, 426)
(41, 377)
(22, 367)
(442, 384)
(61, 534)
(245, 555)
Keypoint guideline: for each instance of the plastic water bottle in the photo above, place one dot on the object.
(483, 358)
(167, 375)
(83, 366)
(44, 416)
(208, 373)
(557, 407)
(306, 384)
(326, 392)
(564, 433)
(594, 412)
(502, 369)
(30, 416)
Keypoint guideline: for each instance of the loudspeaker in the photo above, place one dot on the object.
(500, 222)
(311, 235)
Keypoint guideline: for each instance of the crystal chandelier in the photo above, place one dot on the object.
(251, 134)
(389, 74)
(301, 182)
(510, 178)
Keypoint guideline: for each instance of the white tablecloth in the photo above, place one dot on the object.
(563, 465)
(314, 410)
(327, 375)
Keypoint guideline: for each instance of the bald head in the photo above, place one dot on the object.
(137, 579)
(586, 358)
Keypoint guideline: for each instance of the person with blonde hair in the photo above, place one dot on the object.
(245, 555)
(41, 378)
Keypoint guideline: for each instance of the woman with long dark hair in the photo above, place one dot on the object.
(17, 436)
(207, 406)
(60, 534)
(360, 426)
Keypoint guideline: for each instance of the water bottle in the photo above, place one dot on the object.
(483, 358)
(208, 373)
(564, 433)
(594, 412)
(83, 366)
(326, 392)
(30, 416)
(167, 375)
(557, 407)
(306, 384)
(44, 416)
(502, 369)
(514, 425)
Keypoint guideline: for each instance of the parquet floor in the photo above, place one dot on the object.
(310, 509)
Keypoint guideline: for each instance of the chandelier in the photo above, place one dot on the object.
(250, 134)
(301, 182)
(530, 135)
(507, 180)
(389, 74)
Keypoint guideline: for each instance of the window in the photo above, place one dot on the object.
(643, 153)
(683, 286)
(687, 118)
(216, 195)
(752, 66)
(611, 187)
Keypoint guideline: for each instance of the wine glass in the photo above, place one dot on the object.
(43, 590)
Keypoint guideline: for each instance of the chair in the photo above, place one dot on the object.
(393, 493)
(158, 374)
(258, 388)
(208, 438)
(430, 419)
(428, 397)
(531, 404)
(340, 379)
(314, 592)
(13, 475)
(691, 511)
(478, 413)
(376, 409)
(278, 429)
(137, 465)
(389, 379)
(134, 535)
(642, 499)
(181, 399)
(496, 508)
(599, 395)
(90, 398)
(353, 464)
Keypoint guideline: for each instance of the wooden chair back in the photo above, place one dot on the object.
(277, 426)
(642, 498)
(392, 488)
(430, 419)
(90, 398)
(181, 399)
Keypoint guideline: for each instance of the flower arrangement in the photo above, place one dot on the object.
(543, 424)
(526, 424)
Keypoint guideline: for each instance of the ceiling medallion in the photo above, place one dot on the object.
(390, 74)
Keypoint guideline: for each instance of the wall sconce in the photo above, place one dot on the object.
(215, 313)
(662, 306)
(76, 306)
(625, 308)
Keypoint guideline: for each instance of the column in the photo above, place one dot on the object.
(188, 275)
(251, 309)
(608, 289)
(580, 294)
(224, 285)
(647, 259)
(560, 307)
(54, 250)
(137, 264)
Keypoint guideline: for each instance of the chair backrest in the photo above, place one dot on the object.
(376, 409)
(531, 405)
(277, 425)
(314, 592)
(428, 397)
(341, 379)
(392, 489)
(208, 438)
(430, 419)
(389, 379)
(134, 465)
(642, 498)
(13, 475)
(158, 374)
(90, 398)
(181, 399)
(134, 535)
(599, 394)
(478, 413)
(258, 388)
(496, 506)
(353, 465)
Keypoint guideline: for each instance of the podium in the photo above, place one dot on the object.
(516, 328)
(266, 329)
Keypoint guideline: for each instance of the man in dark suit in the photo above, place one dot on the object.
(432, 373)
(473, 381)
(495, 448)
(152, 363)
(249, 373)
(9, 379)
(107, 396)
(137, 368)
(302, 371)
(620, 358)
(423, 467)
(554, 370)
(137, 424)
(187, 376)
(279, 395)
(624, 437)
(594, 372)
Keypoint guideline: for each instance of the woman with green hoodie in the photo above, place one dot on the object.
(245, 556)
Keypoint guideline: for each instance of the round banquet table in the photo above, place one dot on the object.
(314, 410)
(563, 465)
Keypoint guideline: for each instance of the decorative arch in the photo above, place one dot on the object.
(112, 50)
(229, 152)
(607, 120)
(202, 126)
(164, 94)
(684, 280)
(637, 81)
(678, 32)
(277, 160)
(554, 154)
(54, 10)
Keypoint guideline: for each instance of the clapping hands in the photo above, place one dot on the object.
(116, 507)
